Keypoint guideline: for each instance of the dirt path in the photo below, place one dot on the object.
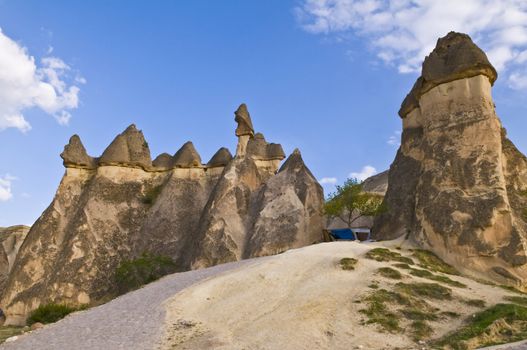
(132, 321)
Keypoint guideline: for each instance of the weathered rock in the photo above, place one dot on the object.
(259, 149)
(176, 207)
(129, 149)
(289, 210)
(187, 156)
(243, 118)
(11, 238)
(376, 184)
(457, 184)
(163, 161)
(36, 325)
(75, 155)
(221, 158)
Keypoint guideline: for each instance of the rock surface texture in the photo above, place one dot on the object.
(458, 186)
(11, 238)
(121, 205)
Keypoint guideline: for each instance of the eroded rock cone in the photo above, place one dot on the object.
(221, 158)
(187, 156)
(457, 185)
(129, 148)
(75, 155)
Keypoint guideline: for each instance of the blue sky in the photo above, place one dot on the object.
(326, 76)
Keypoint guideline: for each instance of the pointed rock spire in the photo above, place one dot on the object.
(187, 157)
(454, 57)
(243, 118)
(294, 161)
(75, 155)
(164, 160)
(221, 158)
(128, 148)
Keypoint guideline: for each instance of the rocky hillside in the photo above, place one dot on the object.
(123, 204)
(458, 186)
(11, 239)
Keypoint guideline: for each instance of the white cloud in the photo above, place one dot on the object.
(395, 139)
(365, 173)
(402, 32)
(5, 187)
(25, 85)
(328, 181)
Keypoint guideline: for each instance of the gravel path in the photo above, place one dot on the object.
(132, 321)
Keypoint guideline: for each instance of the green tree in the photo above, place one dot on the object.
(349, 202)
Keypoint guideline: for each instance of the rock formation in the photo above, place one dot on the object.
(458, 186)
(11, 239)
(122, 204)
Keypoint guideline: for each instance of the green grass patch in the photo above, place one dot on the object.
(419, 315)
(348, 263)
(425, 290)
(432, 262)
(517, 300)
(511, 289)
(132, 274)
(443, 279)
(514, 315)
(420, 330)
(388, 272)
(383, 254)
(151, 195)
(402, 266)
(475, 302)
(450, 314)
(49, 313)
(378, 313)
(9, 331)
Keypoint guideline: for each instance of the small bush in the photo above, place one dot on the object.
(388, 272)
(426, 290)
(348, 263)
(432, 262)
(383, 254)
(475, 302)
(132, 274)
(50, 313)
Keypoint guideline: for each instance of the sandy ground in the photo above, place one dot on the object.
(300, 299)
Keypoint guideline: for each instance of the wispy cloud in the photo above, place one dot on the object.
(5, 187)
(402, 32)
(395, 139)
(328, 181)
(24, 85)
(365, 173)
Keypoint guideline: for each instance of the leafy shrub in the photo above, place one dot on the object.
(51, 312)
(132, 274)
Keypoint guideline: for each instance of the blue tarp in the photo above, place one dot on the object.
(343, 233)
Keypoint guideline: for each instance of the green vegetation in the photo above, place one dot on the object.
(378, 312)
(432, 262)
(428, 275)
(524, 214)
(51, 312)
(383, 254)
(349, 202)
(517, 300)
(132, 274)
(388, 272)
(475, 302)
(486, 327)
(9, 331)
(151, 195)
(420, 330)
(425, 290)
(418, 315)
(450, 314)
(402, 266)
(348, 263)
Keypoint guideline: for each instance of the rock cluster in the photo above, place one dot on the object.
(458, 186)
(123, 204)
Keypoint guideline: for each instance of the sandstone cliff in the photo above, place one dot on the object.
(123, 204)
(458, 186)
(11, 238)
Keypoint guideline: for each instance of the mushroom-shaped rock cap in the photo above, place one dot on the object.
(454, 57)
(187, 157)
(220, 158)
(243, 118)
(259, 149)
(75, 155)
(128, 148)
(164, 160)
